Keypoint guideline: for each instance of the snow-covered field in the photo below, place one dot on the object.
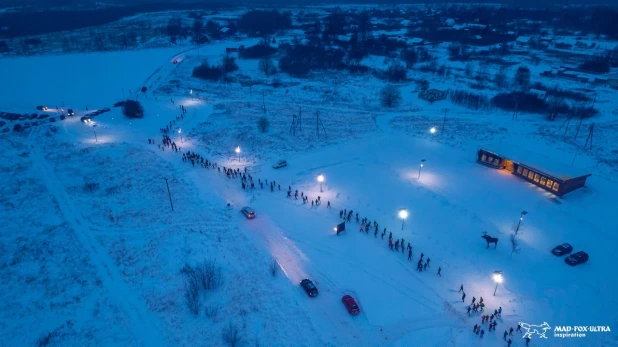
(92, 253)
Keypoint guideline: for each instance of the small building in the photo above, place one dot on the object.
(535, 168)
(522, 40)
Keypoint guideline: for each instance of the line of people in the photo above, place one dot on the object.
(366, 226)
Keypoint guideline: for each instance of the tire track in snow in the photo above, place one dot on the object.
(134, 308)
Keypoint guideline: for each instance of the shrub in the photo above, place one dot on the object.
(276, 82)
(468, 99)
(267, 66)
(598, 64)
(228, 64)
(390, 96)
(263, 124)
(209, 274)
(208, 72)
(144, 89)
(520, 101)
(260, 50)
(522, 77)
(231, 335)
(274, 267)
(396, 72)
(132, 109)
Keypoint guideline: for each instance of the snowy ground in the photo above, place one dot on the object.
(92, 253)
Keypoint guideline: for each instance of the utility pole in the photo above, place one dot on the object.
(300, 119)
(590, 131)
(581, 119)
(95, 133)
(264, 102)
(168, 193)
(317, 128)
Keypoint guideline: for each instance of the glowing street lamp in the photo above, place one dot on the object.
(432, 130)
(420, 167)
(321, 180)
(180, 132)
(498, 279)
(238, 153)
(521, 217)
(403, 214)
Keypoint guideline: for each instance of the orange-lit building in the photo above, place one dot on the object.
(537, 169)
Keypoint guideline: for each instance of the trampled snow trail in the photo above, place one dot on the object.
(144, 330)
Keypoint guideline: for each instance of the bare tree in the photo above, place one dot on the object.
(390, 96)
(211, 311)
(514, 245)
(267, 66)
(263, 124)
(231, 335)
(274, 267)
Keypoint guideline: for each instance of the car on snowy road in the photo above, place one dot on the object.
(280, 164)
(248, 212)
(576, 258)
(562, 249)
(70, 112)
(350, 305)
(309, 288)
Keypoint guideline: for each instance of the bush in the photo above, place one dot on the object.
(274, 267)
(228, 64)
(260, 50)
(522, 77)
(390, 96)
(231, 335)
(267, 66)
(396, 72)
(144, 89)
(209, 274)
(276, 82)
(208, 72)
(300, 59)
(468, 99)
(132, 109)
(263, 124)
(520, 101)
(598, 64)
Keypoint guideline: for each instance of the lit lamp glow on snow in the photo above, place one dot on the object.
(403, 214)
(321, 180)
(498, 279)
(432, 130)
(521, 217)
(180, 132)
(420, 167)
(238, 153)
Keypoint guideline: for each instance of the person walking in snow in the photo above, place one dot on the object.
(328, 204)
(289, 193)
(504, 335)
(473, 300)
(481, 300)
(482, 333)
(527, 341)
(397, 245)
(439, 271)
(409, 255)
(500, 312)
(390, 244)
(390, 235)
(422, 255)
(519, 327)
(362, 227)
(383, 233)
(475, 326)
(469, 315)
(511, 331)
(463, 298)
(425, 266)
(508, 343)
(375, 234)
(340, 213)
(461, 288)
(356, 217)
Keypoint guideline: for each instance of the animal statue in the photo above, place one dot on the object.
(490, 239)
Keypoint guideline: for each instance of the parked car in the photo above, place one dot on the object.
(119, 103)
(350, 305)
(280, 164)
(41, 108)
(562, 249)
(309, 288)
(33, 116)
(86, 119)
(63, 117)
(70, 112)
(576, 258)
(248, 212)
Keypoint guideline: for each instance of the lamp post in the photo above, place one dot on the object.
(238, 153)
(191, 93)
(180, 133)
(321, 180)
(498, 279)
(521, 217)
(95, 133)
(420, 167)
(403, 214)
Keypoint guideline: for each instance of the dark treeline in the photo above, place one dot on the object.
(35, 22)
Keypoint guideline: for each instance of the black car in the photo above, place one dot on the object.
(308, 286)
(41, 108)
(119, 103)
(70, 112)
(63, 117)
(576, 258)
(562, 249)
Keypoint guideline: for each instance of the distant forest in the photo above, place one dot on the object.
(34, 17)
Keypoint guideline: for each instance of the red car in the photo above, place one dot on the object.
(350, 305)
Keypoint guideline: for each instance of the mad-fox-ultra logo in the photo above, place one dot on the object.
(562, 331)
